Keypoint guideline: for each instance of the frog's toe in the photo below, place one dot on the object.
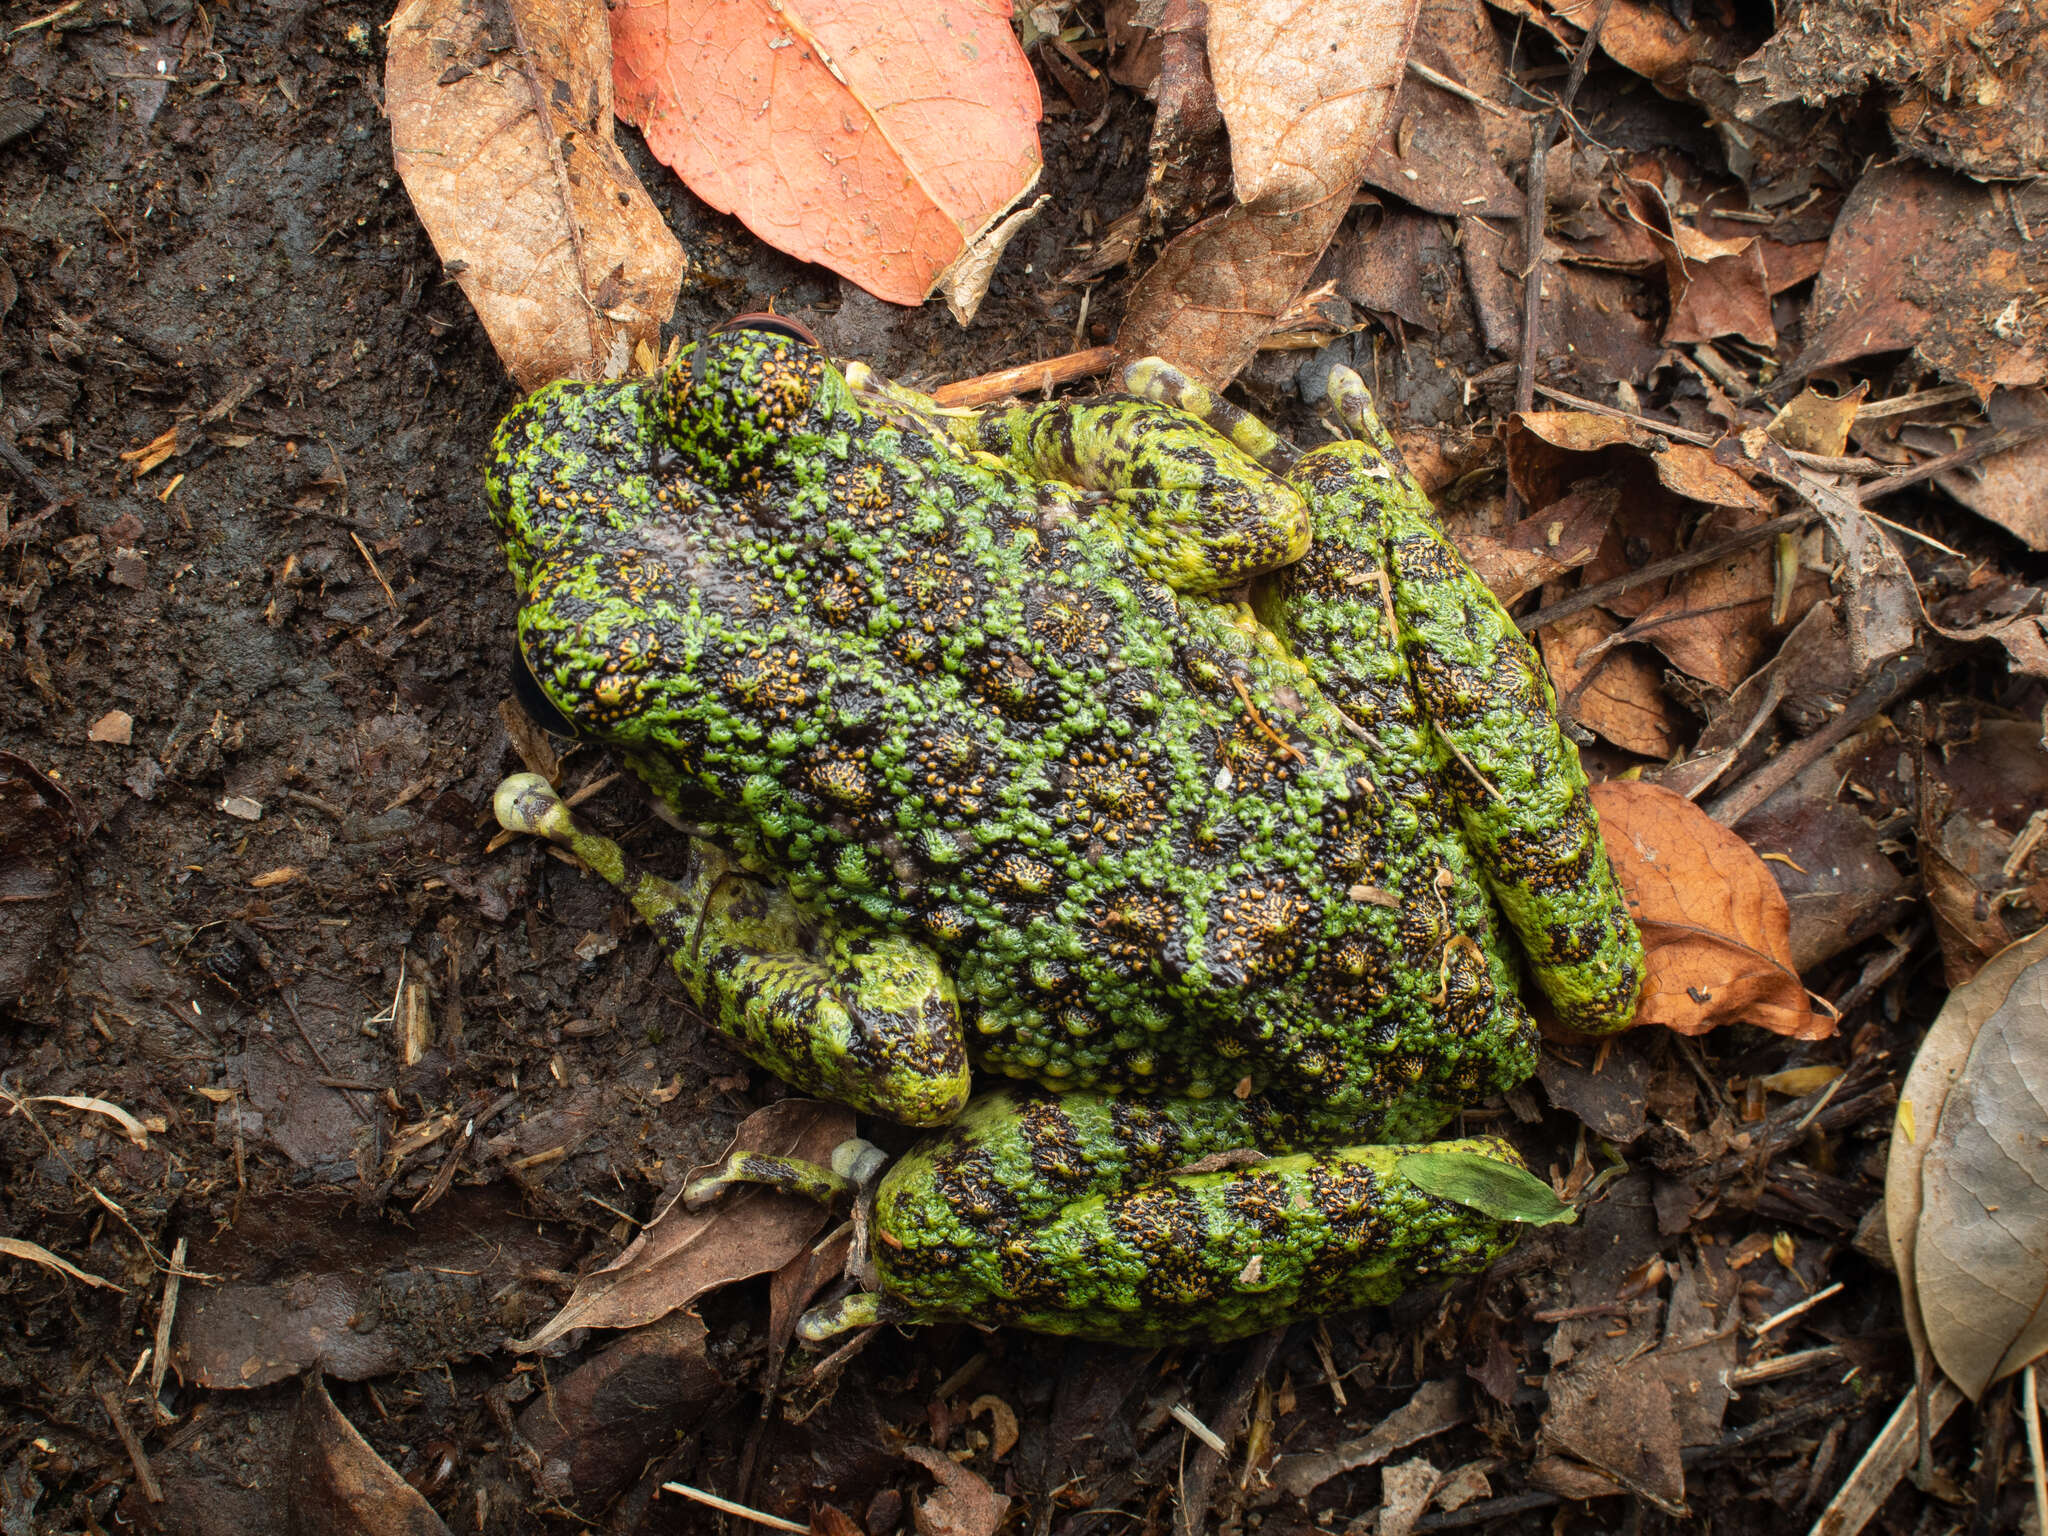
(1154, 378)
(527, 803)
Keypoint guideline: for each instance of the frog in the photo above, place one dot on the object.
(1114, 747)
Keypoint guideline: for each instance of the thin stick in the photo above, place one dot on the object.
(1983, 448)
(2030, 1399)
(1657, 570)
(1797, 1308)
(172, 1279)
(138, 1458)
(1184, 1416)
(740, 1511)
(1444, 82)
(1027, 378)
(1533, 209)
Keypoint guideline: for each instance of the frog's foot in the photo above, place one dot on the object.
(855, 1163)
(1155, 379)
(858, 1309)
(1199, 512)
(869, 1020)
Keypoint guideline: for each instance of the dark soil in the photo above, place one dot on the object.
(285, 866)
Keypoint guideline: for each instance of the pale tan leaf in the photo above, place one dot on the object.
(1304, 90)
(962, 1505)
(509, 159)
(1966, 1189)
(36, 1253)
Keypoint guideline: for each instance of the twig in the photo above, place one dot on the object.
(1201, 1478)
(1871, 1481)
(1970, 453)
(2030, 1402)
(1657, 570)
(1894, 678)
(173, 1278)
(138, 1458)
(1184, 1416)
(1799, 1309)
(1027, 378)
(1785, 1365)
(1535, 196)
(1444, 82)
(739, 1511)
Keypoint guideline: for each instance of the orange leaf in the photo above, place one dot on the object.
(876, 137)
(1714, 922)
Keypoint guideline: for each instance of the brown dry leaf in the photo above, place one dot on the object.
(1614, 689)
(1714, 921)
(2009, 488)
(1925, 260)
(1384, 265)
(1968, 82)
(962, 1505)
(116, 728)
(1619, 1421)
(880, 138)
(501, 128)
(1590, 319)
(1839, 886)
(1303, 91)
(1815, 423)
(1715, 622)
(336, 1485)
(1218, 287)
(1545, 449)
(681, 1254)
(1718, 287)
(1966, 1189)
(1434, 152)
(1539, 549)
(595, 1428)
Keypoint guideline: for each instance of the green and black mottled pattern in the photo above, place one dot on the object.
(1079, 1214)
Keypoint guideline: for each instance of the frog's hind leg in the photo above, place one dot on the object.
(870, 1020)
(1520, 792)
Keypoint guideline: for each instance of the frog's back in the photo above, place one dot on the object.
(946, 700)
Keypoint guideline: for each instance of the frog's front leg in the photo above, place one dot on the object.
(869, 1020)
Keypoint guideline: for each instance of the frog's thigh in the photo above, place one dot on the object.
(869, 1020)
(1199, 513)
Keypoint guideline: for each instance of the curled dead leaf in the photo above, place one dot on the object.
(1966, 1187)
(505, 146)
(1715, 925)
(963, 1504)
(879, 138)
(335, 1481)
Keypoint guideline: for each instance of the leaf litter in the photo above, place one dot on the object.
(1747, 430)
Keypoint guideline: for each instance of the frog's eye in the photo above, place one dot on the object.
(771, 324)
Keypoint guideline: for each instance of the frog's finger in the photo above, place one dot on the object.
(853, 1163)
(1154, 378)
(868, 1020)
(1520, 792)
(1198, 512)
(1192, 1254)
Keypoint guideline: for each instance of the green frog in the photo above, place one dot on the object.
(1113, 747)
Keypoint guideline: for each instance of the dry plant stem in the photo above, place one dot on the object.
(1656, 570)
(1201, 1478)
(15, 460)
(1027, 378)
(1870, 1483)
(1894, 678)
(138, 1458)
(1534, 199)
(1983, 448)
(1825, 462)
(2030, 1397)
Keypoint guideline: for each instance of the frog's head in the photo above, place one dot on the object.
(754, 396)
